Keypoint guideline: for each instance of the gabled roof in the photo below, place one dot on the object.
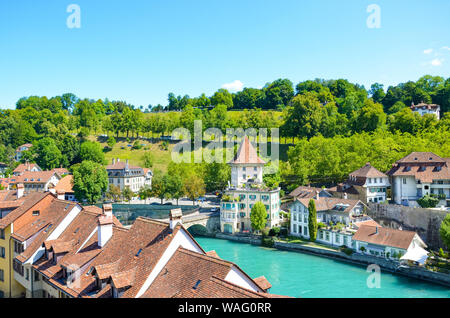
(424, 166)
(31, 200)
(64, 185)
(421, 157)
(247, 154)
(34, 177)
(384, 236)
(424, 105)
(24, 145)
(26, 167)
(368, 171)
(328, 204)
(305, 192)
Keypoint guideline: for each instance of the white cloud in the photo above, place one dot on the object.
(446, 48)
(437, 62)
(428, 51)
(235, 86)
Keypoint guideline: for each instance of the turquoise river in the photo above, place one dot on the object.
(303, 275)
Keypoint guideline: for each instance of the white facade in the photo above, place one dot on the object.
(407, 188)
(241, 174)
(235, 215)
(376, 189)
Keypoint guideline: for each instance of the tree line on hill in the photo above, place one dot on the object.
(342, 119)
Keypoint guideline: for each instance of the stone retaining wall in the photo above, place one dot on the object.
(425, 222)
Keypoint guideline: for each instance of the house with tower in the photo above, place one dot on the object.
(245, 189)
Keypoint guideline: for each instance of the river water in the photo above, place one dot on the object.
(303, 275)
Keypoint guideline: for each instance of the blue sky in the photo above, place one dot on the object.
(140, 50)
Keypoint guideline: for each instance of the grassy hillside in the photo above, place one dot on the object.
(162, 157)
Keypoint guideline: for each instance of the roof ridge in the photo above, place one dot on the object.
(205, 256)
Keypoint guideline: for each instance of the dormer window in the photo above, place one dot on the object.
(36, 213)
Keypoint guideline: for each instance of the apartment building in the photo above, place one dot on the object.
(122, 174)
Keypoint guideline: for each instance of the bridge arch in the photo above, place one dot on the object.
(198, 229)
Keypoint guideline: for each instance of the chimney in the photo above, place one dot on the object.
(317, 195)
(126, 165)
(118, 160)
(376, 230)
(175, 217)
(345, 195)
(105, 226)
(113, 161)
(20, 190)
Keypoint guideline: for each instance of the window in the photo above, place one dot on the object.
(18, 247)
(2, 275)
(27, 276)
(2, 252)
(36, 213)
(2, 234)
(404, 180)
(36, 276)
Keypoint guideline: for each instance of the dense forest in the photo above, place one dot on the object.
(334, 126)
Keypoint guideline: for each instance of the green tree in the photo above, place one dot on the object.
(111, 142)
(444, 231)
(148, 159)
(144, 193)
(312, 220)
(222, 96)
(113, 193)
(258, 216)
(48, 154)
(90, 181)
(92, 151)
(159, 187)
(175, 187)
(194, 188)
(127, 194)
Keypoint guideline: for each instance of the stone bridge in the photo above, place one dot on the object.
(201, 223)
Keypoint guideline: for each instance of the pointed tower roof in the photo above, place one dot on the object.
(247, 154)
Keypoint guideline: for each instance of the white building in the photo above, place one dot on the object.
(122, 175)
(21, 149)
(36, 181)
(367, 184)
(247, 188)
(390, 243)
(338, 219)
(420, 174)
(423, 109)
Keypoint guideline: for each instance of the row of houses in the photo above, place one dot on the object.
(59, 180)
(343, 222)
(53, 248)
(410, 178)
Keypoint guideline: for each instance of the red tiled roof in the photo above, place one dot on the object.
(263, 283)
(423, 105)
(385, 236)
(368, 171)
(424, 166)
(247, 154)
(65, 185)
(35, 177)
(326, 204)
(26, 167)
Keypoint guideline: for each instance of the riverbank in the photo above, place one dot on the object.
(355, 258)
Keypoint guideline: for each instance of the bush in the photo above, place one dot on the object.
(265, 232)
(268, 242)
(274, 231)
(441, 253)
(428, 201)
(137, 145)
(347, 250)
